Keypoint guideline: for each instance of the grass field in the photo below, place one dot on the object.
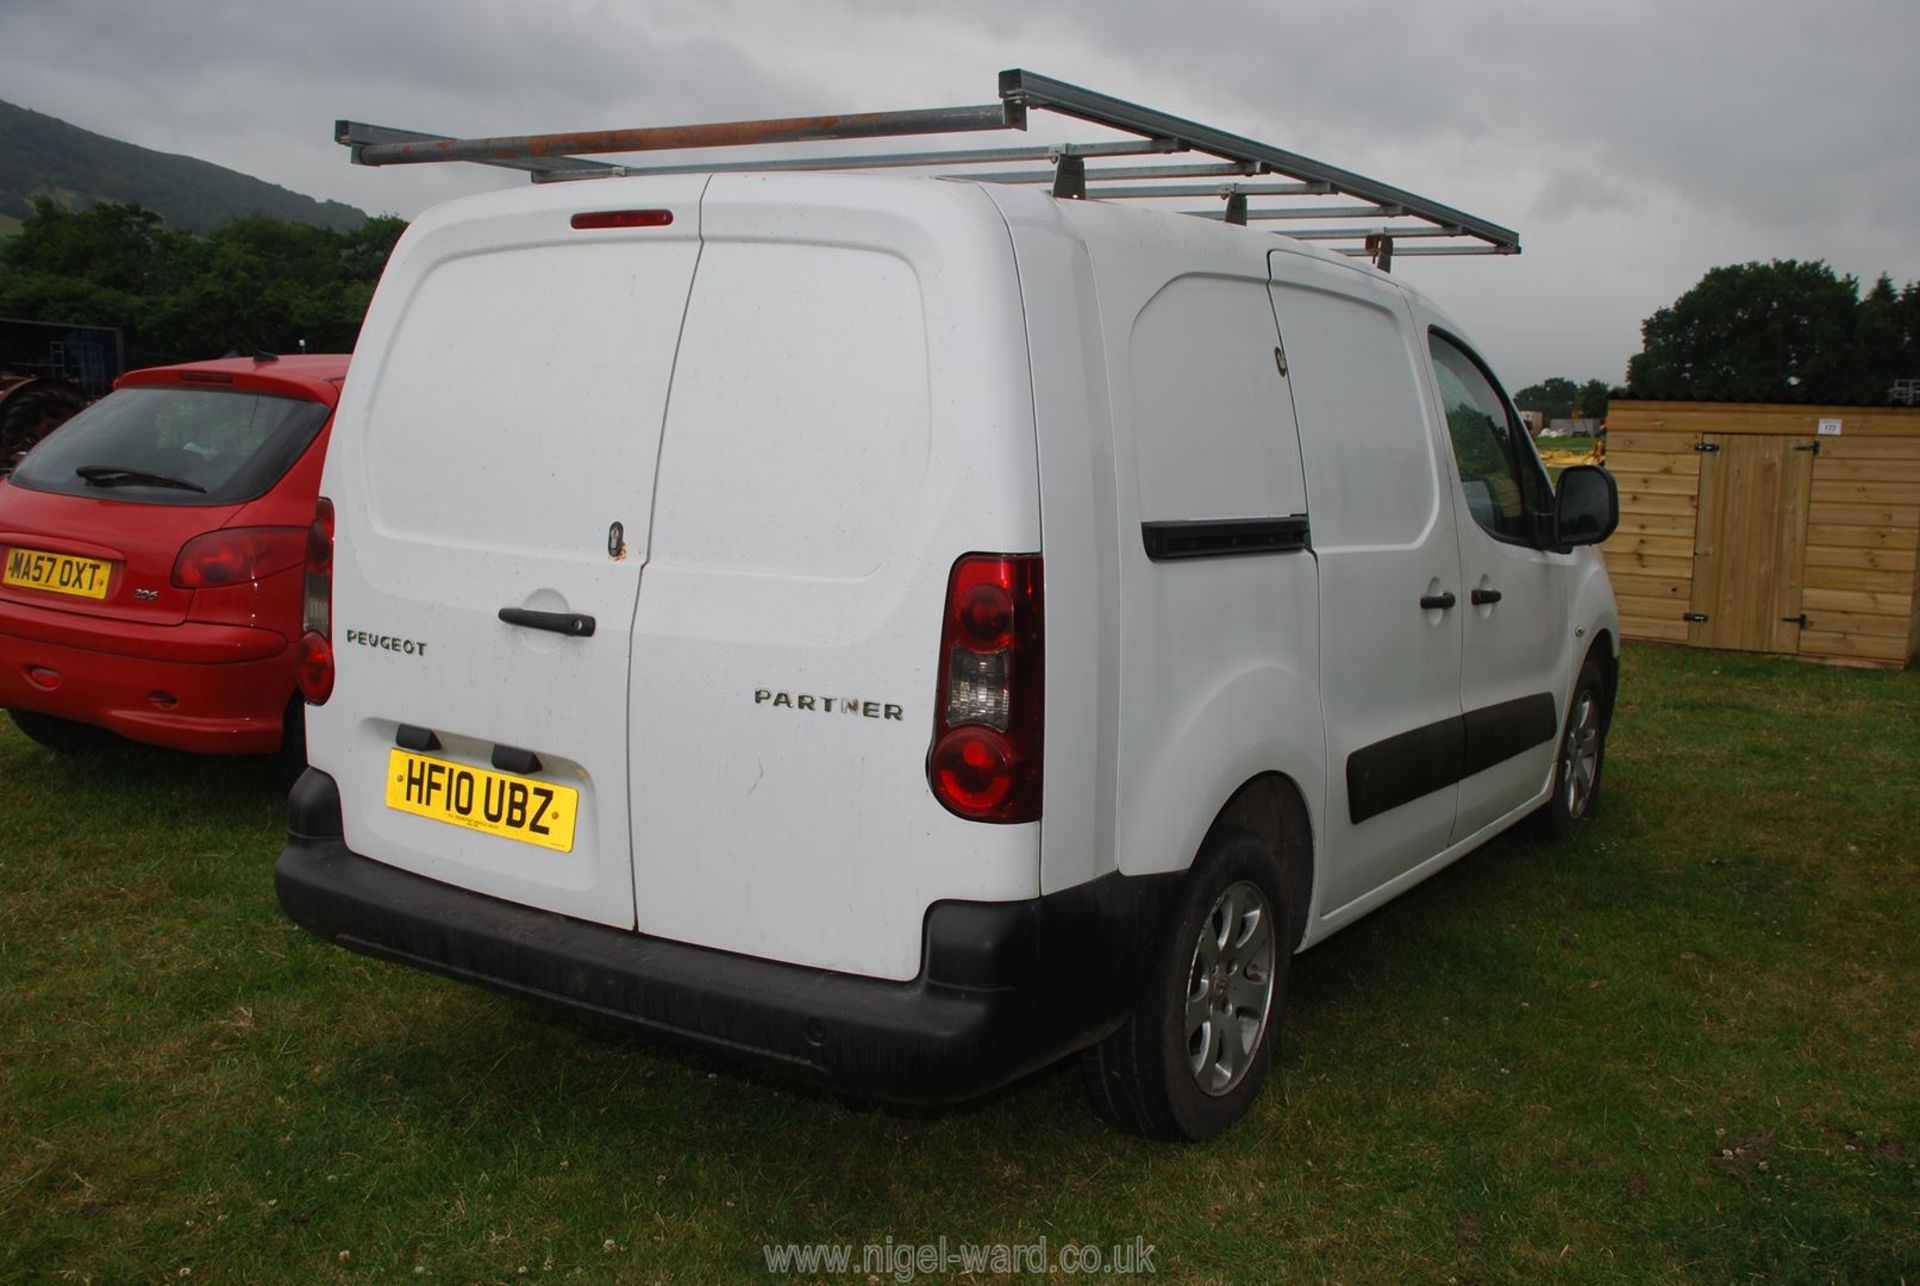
(1574, 442)
(1685, 1046)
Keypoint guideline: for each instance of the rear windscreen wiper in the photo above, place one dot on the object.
(107, 475)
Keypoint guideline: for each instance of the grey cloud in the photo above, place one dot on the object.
(1633, 143)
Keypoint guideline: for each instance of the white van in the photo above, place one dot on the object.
(905, 632)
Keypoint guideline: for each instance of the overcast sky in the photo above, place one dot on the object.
(1633, 143)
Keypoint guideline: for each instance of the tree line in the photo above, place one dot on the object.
(1559, 398)
(256, 284)
(1784, 331)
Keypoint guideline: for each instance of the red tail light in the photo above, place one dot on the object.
(989, 710)
(314, 669)
(237, 555)
(316, 644)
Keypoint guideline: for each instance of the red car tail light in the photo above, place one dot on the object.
(237, 555)
(315, 670)
(989, 710)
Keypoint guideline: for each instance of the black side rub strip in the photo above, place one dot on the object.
(1223, 537)
(1497, 733)
(1401, 769)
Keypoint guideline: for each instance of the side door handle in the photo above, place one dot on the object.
(1438, 602)
(1482, 597)
(571, 624)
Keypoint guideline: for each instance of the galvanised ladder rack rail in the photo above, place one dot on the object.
(1240, 167)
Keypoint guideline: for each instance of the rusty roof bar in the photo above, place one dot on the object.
(793, 129)
(359, 135)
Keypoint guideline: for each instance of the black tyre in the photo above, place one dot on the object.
(63, 735)
(1191, 1059)
(1581, 759)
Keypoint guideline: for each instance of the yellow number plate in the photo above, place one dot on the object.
(516, 808)
(59, 573)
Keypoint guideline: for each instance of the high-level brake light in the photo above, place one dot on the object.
(591, 219)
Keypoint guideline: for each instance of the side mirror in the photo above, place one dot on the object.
(1586, 506)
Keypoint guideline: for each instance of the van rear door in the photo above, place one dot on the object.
(494, 457)
(852, 412)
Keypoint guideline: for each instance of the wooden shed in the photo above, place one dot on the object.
(1768, 528)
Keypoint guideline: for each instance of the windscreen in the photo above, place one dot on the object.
(174, 445)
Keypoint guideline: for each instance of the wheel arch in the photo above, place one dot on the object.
(1605, 653)
(1271, 808)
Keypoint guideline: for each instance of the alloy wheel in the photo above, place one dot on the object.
(1580, 756)
(1230, 987)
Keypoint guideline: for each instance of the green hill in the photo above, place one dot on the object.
(43, 156)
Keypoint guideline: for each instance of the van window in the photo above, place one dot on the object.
(1486, 442)
(1369, 453)
(1213, 430)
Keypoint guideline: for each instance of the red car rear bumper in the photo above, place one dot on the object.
(212, 689)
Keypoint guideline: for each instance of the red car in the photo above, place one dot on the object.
(152, 553)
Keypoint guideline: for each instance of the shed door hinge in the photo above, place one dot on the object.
(1807, 446)
(1800, 620)
(1700, 617)
(1706, 446)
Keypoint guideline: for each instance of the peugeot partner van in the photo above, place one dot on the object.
(906, 632)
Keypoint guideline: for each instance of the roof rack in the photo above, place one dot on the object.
(1238, 168)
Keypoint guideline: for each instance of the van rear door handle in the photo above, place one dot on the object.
(1438, 602)
(1482, 597)
(571, 624)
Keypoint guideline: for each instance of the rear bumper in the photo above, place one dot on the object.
(185, 642)
(1004, 988)
(230, 700)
